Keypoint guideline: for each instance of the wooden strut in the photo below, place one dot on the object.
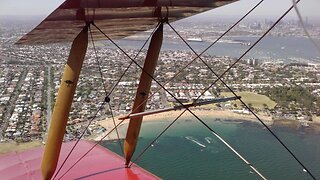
(63, 104)
(142, 93)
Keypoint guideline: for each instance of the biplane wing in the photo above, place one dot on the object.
(117, 18)
(101, 164)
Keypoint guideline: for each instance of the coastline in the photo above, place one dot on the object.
(170, 116)
(218, 115)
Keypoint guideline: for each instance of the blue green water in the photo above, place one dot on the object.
(189, 151)
(270, 48)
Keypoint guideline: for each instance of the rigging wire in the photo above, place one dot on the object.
(188, 109)
(114, 123)
(110, 107)
(189, 63)
(155, 139)
(131, 62)
(78, 140)
(107, 99)
(91, 148)
(99, 109)
(222, 35)
(213, 132)
(219, 78)
(304, 26)
(222, 74)
(98, 62)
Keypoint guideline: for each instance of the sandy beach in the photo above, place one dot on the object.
(170, 116)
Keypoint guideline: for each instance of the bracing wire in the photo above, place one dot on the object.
(99, 109)
(91, 148)
(173, 96)
(114, 123)
(131, 62)
(304, 26)
(119, 141)
(219, 78)
(277, 138)
(104, 86)
(223, 73)
(155, 139)
(98, 62)
(176, 74)
(78, 140)
(189, 63)
(104, 104)
(211, 130)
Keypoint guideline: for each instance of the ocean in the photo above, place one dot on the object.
(189, 151)
(271, 48)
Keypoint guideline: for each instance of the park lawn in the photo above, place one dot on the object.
(256, 100)
(12, 146)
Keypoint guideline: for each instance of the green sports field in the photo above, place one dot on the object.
(254, 99)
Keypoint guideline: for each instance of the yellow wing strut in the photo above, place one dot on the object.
(142, 93)
(63, 104)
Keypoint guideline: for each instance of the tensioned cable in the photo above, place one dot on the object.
(197, 56)
(114, 123)
(304, 26)
(118, 136)
(78, 140)
(97, 60)
(155, 139)
(155, 80)
(222, 35)
(214, 133)
(104, 86)
(105, 90)
(91, 148)
(131, 62)
(219, 78)
(107, 100)
(223, 74)
(119, 141)
(211, 130)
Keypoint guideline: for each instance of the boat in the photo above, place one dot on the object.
(77, 21)
(195, 39)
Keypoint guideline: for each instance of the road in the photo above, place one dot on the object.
(163, 98)
(49, 105)
(12, 102)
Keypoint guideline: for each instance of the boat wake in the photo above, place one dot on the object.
(195, 141)
(208, 139)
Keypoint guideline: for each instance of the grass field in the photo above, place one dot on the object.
(256, 100)
(7, 147)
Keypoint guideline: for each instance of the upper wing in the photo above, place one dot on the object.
(116, 18)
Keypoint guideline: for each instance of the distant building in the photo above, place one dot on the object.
(252, 62)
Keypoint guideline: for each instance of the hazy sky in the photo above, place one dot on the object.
(269, 8)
